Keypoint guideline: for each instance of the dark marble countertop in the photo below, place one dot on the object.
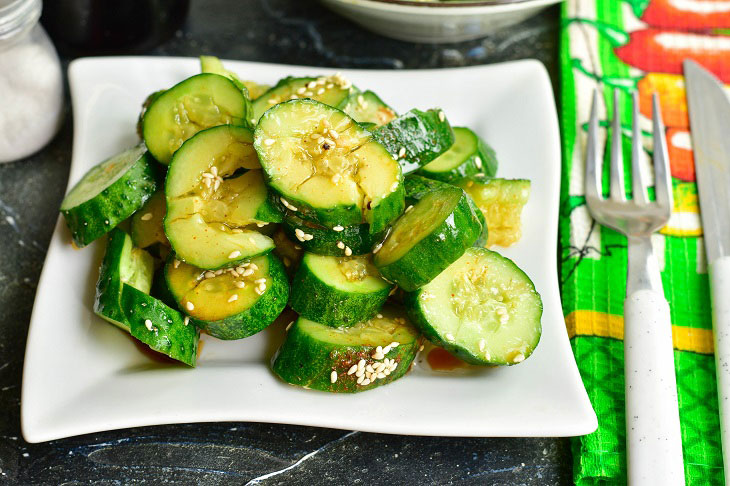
(278, 31)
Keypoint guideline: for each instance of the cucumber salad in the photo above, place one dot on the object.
(242, 199)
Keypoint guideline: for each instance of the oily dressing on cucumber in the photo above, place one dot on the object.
(367, 107)
(213, 213)
(338, 291)
(340, 241)
(332, 90)
(325, 168)
(347, 359)
(482, 308)
(108, 194)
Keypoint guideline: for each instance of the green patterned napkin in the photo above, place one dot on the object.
(637, 45)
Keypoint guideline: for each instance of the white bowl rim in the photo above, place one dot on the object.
(454, 8)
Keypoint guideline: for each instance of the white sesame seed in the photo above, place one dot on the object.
(288, 326)
(420, 348)
(478, 162)
(365, 382)
(369, 368)
(394, 186)
(378, 355)
(519, 358)
(189, 306)
(261, 225)
(394, 344)
(314, 136)
(360, 373)
(442, 117)
(234, 254)
(449, 337)
(301, 90)
(269, 141)
(239, 284)
(208, 175)
(360, 379)
(272, 101)
(260, 291)
(216, 185)
(377, 248)
(233, 298)
(379, 367)
(402, 152)
(186, 321)
(260, 280)
(106, 221)
(330, 86)
(338, 228)
(175, 263)
(287, 205)
(379, 316)
(381, 374)
(340, 245)
(294, 97)
(320, 91)
(348, 251)
(361, 364)
(219, 272)
(237, 230)
(333, 376)
(209, 274)
(482, 345)
(333, 134)
(146, 217)
(352, 369)
(247, 272)
(312, 84)
(393, 366)
(148, 324)
(386, 350)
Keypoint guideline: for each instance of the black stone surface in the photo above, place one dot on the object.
(277, 31)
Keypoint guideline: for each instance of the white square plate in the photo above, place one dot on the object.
(82, 375)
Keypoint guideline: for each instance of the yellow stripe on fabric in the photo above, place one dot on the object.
(593, 323)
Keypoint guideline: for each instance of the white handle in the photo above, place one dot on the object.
(653, 437)
(720, 285)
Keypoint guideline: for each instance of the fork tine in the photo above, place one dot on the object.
(662, 178)
(638, 185)
(593, 164)
(618, 190)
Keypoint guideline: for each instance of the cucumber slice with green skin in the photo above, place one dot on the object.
(367, 107)
(338, 291)
(416, 138)
(418, 186)
(349, 240)
(501, 202)
(231, 304)
(146, 104)
(122, 264)
(209, 214)
(199, 102)
(146, 226)
(325, 168)
(469, 157)
(320, 357)
(108, 194)
(160, 290)
(482, 308)
(211, 64)
(331, 90)
(428, 238)
(162, 328)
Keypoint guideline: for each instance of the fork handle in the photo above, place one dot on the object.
(653, 437)
(720, 287)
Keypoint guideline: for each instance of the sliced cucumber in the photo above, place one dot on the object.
(482, 308)
(231, 304)
(211, 64)
(469, 157)
(199, 102)
(108, 194)
(146, 226)
(418, 186)
(367, 107)
(146, 104)
(338, 291)
(342, 360)
(209, 212)
(501, 202)
(326, 168)
(162, 328)
(345, 241)
(331, 90)
(428, 238)
(122, 264)
(416, 138)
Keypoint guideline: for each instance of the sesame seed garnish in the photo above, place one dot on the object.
(247, 272)
(320, 91)
(269, 141)
(260, 290)
(352, 369)
(233, 298)
(478, 162)
(386, 350)
(272, 101)
(338, 228)
(348, 251)
(148, 325)
(261, 225)
(186, 321)
(420, 348)
(340, 245)
(301, 90)
(239, 284)
(294, 97)
(442, 117)
(361, 364)
(252, 266)
(106, 221)
(361, 379)
(236, 230)
(482, 345)
(330, 86)
(260, 280)
(402, 152)
(312, 84)
(379, 316)
(409, 208)
(394, 186)
(333, 376)
(365, 382)
(287, 205)
(394, 344)
(189, 306)
(146, 217)
(209, 274)
(234, 254)
(449, 337)
(377, 248)
(288, 326)
(175, 263)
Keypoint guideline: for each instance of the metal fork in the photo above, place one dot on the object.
(653, 438)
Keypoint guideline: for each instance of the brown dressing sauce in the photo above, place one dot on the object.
(441, 360)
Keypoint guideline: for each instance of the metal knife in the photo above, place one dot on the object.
(709, 115)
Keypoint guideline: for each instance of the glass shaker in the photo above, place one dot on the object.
(31, 81)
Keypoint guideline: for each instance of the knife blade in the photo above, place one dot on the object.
(709, 115)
